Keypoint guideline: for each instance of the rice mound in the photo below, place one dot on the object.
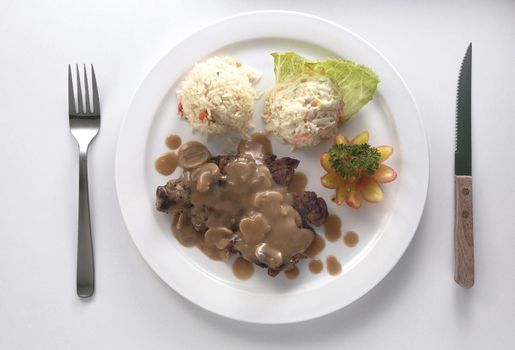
(217, 96)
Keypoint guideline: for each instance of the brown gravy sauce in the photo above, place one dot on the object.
(298, 183)
(242, 269)
(245, 208)
(316, 266)
(240, 205)
(333, 265)
(350, 238)
(173, 141)
(332, 228)
(166, 163)
(316, 247)
(292, 273)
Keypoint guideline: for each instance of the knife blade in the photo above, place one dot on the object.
(463, 223)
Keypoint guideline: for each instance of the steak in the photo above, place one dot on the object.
(310, 207)
(176, 197)
(173, 197)
(282, 169)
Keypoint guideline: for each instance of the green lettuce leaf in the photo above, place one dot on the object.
(288, 64)
(356, 84)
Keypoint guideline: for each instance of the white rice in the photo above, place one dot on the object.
(217, 96)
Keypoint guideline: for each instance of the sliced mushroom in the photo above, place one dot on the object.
(204, 176)
(181, 220)
(254, 229)
(220, 237)
(192, 154)
(252, 148)
(262, 179)
(268, 255)
(268, 200)
(257, 146)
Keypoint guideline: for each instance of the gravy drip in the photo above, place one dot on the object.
(351, 239)
(242, 269)
(166, 163)
(316, 266)
(333, 265)
(332, 228)
(173, 141)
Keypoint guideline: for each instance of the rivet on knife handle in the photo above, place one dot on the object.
(463, 237)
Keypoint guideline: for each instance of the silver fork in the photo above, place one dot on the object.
(84, 126)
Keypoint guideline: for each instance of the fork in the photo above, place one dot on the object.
(84, 126)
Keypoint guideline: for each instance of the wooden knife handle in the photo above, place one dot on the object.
(463, 237)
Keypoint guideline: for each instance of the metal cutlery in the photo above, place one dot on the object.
(84, 126)
(463, 227)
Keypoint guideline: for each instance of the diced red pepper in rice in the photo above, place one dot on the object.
(203, 115)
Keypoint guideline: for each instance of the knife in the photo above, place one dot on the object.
(463, 237)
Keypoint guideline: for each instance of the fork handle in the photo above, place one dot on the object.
(85, 267)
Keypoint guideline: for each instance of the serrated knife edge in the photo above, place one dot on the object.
(463, 148)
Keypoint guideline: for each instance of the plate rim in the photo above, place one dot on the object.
(413, 103)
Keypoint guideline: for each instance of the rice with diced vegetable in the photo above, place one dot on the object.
(217, 96)
(303, 111)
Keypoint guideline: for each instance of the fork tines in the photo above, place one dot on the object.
(77, 109)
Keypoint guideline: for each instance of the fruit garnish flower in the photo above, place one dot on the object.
(355, 170)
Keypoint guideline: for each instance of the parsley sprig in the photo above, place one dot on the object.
(350, 160)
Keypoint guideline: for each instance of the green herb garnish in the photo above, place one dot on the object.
(350, 160)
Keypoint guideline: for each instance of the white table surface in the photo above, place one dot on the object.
(417, 306)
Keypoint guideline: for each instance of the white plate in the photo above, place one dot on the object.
(385, 229)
